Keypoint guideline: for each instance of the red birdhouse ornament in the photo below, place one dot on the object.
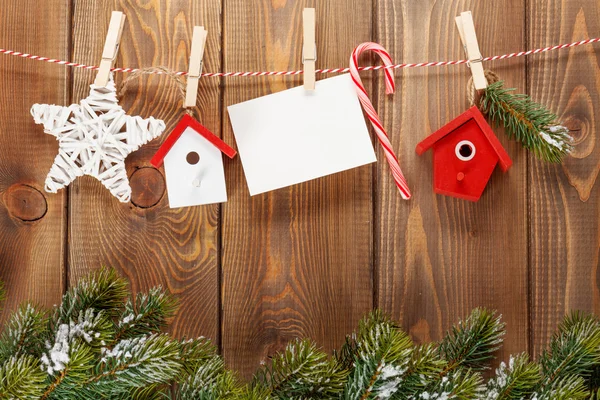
(465, 153)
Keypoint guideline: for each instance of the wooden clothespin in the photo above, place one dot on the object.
(195, 68)
(111, 47)
(466, 30)
(309, 48)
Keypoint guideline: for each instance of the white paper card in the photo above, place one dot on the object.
(297, 135)
(202, 182)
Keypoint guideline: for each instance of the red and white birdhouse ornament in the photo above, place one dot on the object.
(465, 153)
(193, 165)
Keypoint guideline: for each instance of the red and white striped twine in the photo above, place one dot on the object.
(319, 71)
(372, 114)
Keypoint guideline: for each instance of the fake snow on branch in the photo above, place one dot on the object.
(66, 340)
(95, 359)
(530, 123)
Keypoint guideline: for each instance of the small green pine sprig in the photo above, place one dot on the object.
(528, 122)
(103, 290)
(210, 381)
(473, 342)
(516, 380)
(21, 334)
(569, 363)
(460, 384)
(149, 313)
(302, 371)
(21, 378)
(133, 364)
(382, 354)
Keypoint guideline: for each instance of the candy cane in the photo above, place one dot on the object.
(372, 114)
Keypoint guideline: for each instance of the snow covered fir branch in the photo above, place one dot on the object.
(530, 123)
(100, 343)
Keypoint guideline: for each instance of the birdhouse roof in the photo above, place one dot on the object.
(189, 122)
(472, 113)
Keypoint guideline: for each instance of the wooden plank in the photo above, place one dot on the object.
(297, 261)
(438, 257)
(150, 243)
(565, 199)
(32, 222)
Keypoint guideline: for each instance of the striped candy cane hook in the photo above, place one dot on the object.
(372, 114)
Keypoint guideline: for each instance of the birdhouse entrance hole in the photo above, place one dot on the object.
(192, 158)
(465, 150)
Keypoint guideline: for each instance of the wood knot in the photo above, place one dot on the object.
(420, 332)
(147, 187)
(25, 202)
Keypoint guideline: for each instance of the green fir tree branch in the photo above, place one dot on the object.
(517, 380)
(574, 350)
(149, 314)
(473, 342)
(302, 371)
(530, 123)
(21, 378)
(382, 357)
(103, 290)
(23, 333)
(132, 364)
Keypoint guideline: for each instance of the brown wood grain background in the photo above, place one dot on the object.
(311, 259)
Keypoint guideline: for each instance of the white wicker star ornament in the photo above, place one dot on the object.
(94, 137)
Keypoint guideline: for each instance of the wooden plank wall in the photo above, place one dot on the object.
(297, 261)
(564, 222)
(32, 223)
(309, 260)
(439, 257)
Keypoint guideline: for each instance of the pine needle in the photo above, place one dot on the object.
(302, 371)
(148, 314)
(530, 123)
(23, 332)
(473, 342)
(516, 380)
(21, 378)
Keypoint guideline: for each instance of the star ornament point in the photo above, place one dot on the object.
(94, 138)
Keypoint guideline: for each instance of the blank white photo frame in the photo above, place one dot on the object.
(297, 135)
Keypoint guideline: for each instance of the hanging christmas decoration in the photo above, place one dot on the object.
(191, 153)
(466, 150)
(372, 115)
(94, 138)
(465, 153)
(98, 153)
(532, 124)
(193, 161)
